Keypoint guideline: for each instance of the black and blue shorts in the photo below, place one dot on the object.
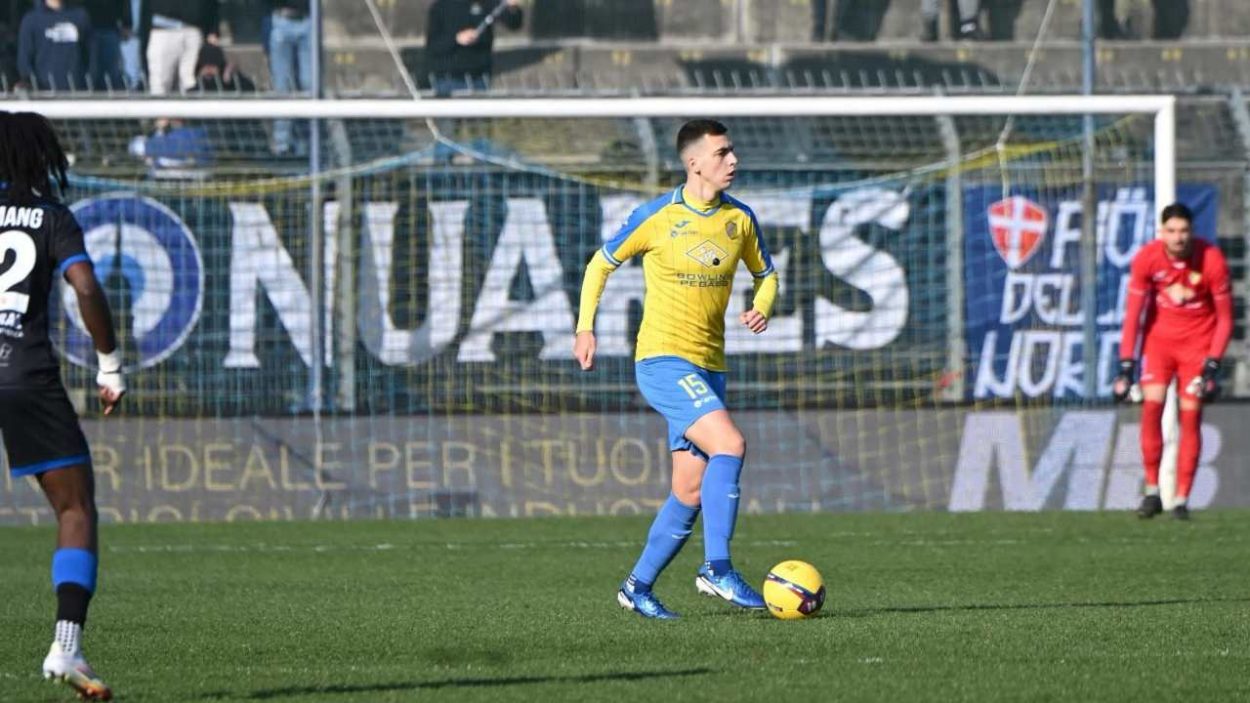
(40, 430)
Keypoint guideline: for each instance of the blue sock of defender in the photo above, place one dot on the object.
(73, 579)
(720, 509)
(669, 531)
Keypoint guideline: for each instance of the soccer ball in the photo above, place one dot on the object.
(794, 590)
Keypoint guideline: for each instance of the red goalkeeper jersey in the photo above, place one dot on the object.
(1187, 302)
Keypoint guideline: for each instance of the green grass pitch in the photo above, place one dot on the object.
(1050, 606)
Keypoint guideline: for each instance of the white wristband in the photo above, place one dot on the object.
(110, 362)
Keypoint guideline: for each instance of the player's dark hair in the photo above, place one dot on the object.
(31, 156)
(694, 130)
(1177, 210)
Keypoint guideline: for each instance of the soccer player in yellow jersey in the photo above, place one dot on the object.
(690, 241)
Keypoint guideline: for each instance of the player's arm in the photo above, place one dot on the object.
(1222, 297)
(99, 322)
(760, 263)
(1138, 291)
(1206, 385)
(630, 241)
(70, 253)
(593, 283)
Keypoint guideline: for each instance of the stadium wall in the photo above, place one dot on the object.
(611, 464)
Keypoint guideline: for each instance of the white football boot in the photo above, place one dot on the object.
(73, 669)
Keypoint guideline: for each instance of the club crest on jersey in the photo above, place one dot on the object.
(1179, 294)
(707, 253)
(1194, 277)
(151, 249)
(731, 229)
(1017, 229)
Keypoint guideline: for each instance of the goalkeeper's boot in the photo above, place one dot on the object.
(643, 603)
(729, 586)
(73, 669)
(1181, 512)
(1150, 507)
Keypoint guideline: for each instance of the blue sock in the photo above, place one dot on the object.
(77, 566)
(720, 508)
(668, 533)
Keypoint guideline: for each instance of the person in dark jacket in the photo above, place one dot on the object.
(52, 45)
(216, 73)
(175, 31)
(110, 24)
(458, 39)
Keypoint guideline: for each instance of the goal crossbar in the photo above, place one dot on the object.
(1161, 107)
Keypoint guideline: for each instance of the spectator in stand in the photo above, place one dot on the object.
(8, 49)
(969, 19)
(1109, 26)
(110, 24)
(175, 150)
(459, 35)
(847, 20)
(215, 72)
(132, 47)
(52, 46)
(1170, 19)
(290, 63)
(820, 20)
(175, 31)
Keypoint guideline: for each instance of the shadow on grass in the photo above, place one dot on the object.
(971, 607)
(273, 693)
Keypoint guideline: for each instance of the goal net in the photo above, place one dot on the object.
(390, 336)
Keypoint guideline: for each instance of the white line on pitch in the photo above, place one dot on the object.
(450, 546)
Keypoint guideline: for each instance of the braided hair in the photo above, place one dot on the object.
(31, 157)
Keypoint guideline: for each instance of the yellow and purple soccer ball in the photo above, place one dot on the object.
(794, 590)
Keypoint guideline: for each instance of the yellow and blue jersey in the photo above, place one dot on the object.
(689, 251)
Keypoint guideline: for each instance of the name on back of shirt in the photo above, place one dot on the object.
(15, 216)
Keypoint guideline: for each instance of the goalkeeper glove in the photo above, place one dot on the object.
(110, 374)
(1123, 386)
(1205, 386)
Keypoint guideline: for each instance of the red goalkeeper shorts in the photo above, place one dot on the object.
(1164, 360)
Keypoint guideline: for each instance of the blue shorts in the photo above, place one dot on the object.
(682, 393)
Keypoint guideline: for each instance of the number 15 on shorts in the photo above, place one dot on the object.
(695, 388)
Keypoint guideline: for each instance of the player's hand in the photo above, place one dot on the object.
(1123, 385)
(1206, 386)
(584, 350)
(466, 37)
(109, 398)
(754, 320)
(110, 379)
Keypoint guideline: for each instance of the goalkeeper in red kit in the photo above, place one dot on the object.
(1180, 301)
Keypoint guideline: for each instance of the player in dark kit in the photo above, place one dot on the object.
(39, 241)
(1181, 284)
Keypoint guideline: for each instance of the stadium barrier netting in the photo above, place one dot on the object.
(391, 336)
